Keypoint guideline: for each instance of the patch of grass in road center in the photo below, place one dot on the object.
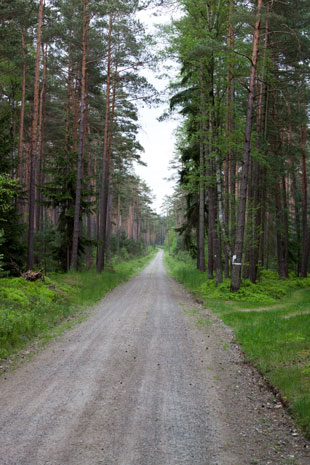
(274, 332)
(45, 309)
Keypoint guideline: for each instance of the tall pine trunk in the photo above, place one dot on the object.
(39, 208)
(304, 243)
(20, 158)
(82, 128)
(34, 140)
(105, 162)
(22, 110)
(238, 249)
(201, 262)
(229, 172)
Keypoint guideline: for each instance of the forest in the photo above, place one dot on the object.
(74, 213)
(70, 83)
(242, 201)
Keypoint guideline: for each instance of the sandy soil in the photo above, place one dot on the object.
(138, 383)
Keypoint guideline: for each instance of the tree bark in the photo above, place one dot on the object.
(77, 207)
(20, 158)
(201, 262)
(34, 140)
(105, 162)
(304, 244)
(40, 142)
(68, 101)
(257, 201)
(238, 249)
(229, 171)
(109, 222)
(119, 219)
(22, 110)
(279, 226)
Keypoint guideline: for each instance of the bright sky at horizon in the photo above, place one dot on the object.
(156, 137)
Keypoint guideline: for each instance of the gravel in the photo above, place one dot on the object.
(138, 383)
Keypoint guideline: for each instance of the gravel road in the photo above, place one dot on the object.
(138, 383)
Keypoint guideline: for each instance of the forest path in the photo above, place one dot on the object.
(139, 383)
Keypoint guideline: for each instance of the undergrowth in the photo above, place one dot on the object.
(30, 309)
(271, 320)
(269, 290)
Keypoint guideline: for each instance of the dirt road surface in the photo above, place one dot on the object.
(139, 383)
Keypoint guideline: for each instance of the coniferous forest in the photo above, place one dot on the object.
(236, 229)
(69, 85)
(242, 202)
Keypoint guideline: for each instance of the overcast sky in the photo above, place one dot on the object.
(157, 138)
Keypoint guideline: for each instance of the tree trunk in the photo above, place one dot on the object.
(22, 112)
(89, 259)
(304, 245)
(109, 222)
(40, 142)
(201, 262)
(82, 128)
(262, 102)
(105, 162)
(34, 140)
(212, 187)
(68, 102)
(279, 226)
(285, 225)
(76, 112)
(20, 160)
(118, 231)
(230, 159)
(297, 217)
(238, 249)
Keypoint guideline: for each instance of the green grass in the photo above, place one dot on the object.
(271, 320)
(29, 310)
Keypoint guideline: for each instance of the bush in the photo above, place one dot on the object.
(27, 308)
(269, 290)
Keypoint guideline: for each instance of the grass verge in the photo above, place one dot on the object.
(29, 310)
(271, 320)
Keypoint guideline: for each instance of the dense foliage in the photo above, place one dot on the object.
(243, 90)
(70, 81)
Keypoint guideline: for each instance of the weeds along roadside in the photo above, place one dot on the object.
(271, 320)
(29, 310)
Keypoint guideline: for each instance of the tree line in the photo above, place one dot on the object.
(69, 89)
(242, 200)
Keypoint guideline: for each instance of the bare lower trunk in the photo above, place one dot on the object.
(34, 140)
(89, 258)
(238, 249)
(105, 164)
(68, 102)
(109, 223)
(230, 158)
(20, 160)
(201, 262)
(304, 247)
(39, 207)
(279, 226)
(297, 216)
(118, 232)
(77, 207)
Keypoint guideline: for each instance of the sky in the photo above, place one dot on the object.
(156, 137)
